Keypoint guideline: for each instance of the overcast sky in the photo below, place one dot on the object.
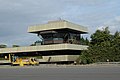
(17, 15)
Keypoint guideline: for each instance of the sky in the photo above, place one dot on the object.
(17, 15)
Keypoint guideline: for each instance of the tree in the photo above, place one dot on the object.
(15, 46)
(100, 36)
(38, 42)
(116, 46)
(84, 41)
(3, 46)
(103, 46)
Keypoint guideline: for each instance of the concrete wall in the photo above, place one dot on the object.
(60, 58)
(43, 48)
(57, 25)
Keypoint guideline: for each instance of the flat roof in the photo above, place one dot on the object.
(43, 48)
(55, 25)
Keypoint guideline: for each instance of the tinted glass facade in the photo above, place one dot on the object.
(58, 37)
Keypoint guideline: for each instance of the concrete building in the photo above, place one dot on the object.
(60, 42)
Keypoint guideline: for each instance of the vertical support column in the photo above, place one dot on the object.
(10, 57)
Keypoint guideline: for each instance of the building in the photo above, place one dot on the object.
(60, 42)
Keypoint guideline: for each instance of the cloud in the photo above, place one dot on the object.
(117, 19)
(17, 15)
(113, 24)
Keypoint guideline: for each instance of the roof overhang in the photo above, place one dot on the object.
(57, 25)
(43, 48)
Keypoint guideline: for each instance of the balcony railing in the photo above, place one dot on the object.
(69, 41)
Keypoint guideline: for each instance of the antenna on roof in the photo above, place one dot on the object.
(59, 18)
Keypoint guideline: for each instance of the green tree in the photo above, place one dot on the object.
(116, 46)
(3, 46)
(15, 46)
(84, 41)
(103, 46)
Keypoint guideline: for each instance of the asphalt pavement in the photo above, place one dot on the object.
(60, 73)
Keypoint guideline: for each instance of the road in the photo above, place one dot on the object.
(60, 73)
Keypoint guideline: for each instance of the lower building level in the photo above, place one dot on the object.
(47, 53)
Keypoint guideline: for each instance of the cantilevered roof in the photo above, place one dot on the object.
(55, 25)
(43, 48)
